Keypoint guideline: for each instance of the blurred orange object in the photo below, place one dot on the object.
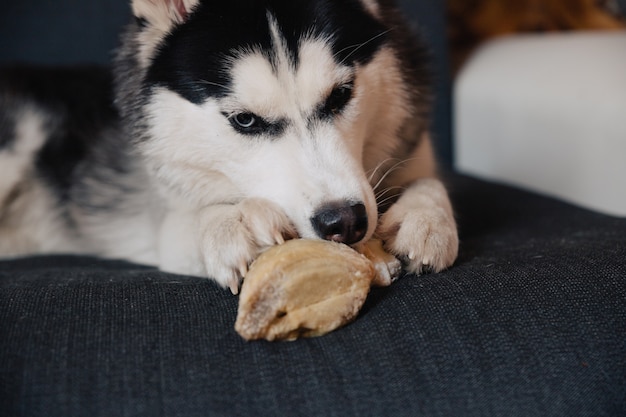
(471, 22)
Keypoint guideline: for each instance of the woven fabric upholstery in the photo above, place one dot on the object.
(530, 322)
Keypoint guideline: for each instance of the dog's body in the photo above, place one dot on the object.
(236, 125)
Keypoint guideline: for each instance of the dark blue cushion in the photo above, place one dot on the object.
(531, 321)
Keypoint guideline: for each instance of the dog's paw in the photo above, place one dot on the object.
(235, 235)
(421, 231)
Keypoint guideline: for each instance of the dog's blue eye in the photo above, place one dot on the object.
(244, 120)
(250, 124)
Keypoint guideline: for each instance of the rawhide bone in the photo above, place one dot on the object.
(307, 288)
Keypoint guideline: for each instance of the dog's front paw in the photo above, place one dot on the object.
(235, 235)
(421, 231)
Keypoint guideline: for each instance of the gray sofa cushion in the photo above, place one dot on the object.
(529, 322)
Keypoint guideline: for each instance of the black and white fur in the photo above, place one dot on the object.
(228, 127)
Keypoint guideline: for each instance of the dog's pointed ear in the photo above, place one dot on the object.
(163, 13)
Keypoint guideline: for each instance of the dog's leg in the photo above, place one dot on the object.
(221, 241)
(420, 228)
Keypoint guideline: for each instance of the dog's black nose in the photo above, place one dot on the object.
(341, 222)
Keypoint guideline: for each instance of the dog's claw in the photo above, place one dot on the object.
(234, 287)
(243, 269)
(278, 237)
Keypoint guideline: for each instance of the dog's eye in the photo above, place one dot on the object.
(244, 121)
(338, 99)
(250, 124)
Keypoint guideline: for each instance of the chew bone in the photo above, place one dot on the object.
(303, 288)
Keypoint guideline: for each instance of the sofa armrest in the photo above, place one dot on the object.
(547, 112)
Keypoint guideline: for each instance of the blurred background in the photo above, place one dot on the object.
(539, 96)
(472, 22)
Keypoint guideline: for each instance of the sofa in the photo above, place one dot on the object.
(530, 321)
(546, 111)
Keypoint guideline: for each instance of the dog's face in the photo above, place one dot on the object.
(269, 99)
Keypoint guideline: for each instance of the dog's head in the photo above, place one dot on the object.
(296, 102)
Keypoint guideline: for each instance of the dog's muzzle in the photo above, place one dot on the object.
(342, 222)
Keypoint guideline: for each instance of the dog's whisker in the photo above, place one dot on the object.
(372, 173)
(386, 200)
(391, 170)
(388, 172)
(392, 196)
(359, 46)
(214, 84)
(388, 189)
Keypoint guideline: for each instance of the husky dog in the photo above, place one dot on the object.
(228, 127)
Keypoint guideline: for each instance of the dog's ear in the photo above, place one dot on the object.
(163, 14)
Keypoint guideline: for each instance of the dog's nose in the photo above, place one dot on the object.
(341, 222)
